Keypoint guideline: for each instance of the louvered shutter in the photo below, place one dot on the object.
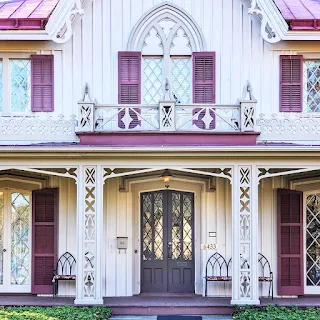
(42, 96)
(44, 239)
(129, 90)
(291, 78)
(290, 242)
(204, 79)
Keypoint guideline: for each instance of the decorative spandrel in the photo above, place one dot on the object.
(1, 235)
(20, 232)
(313, 240)
(187, 227)
(176, 226)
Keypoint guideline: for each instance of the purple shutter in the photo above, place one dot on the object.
(44, 239)
(291, 77)
(42, 93)
(129, 84)
(290, 242)
(204, 84)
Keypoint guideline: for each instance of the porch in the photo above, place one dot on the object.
(114, 198)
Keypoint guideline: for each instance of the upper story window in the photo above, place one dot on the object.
(311, 86)
(26, 83)
(166, 46)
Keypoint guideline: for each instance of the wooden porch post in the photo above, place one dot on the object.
(89, 235)
(244, 235)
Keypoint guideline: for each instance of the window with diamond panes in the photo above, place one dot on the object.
(313, 240)
(152, 80)
(311, 86)
(20, 233)
(181, 79)
(20, 73)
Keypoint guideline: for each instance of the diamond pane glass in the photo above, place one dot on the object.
(152, 80)
(176, 226)
(313, 240)
(187, 227)
(311, 86)
(147, 226)
(20, 85)
(1, 235)
(158, 226)
(181, 79)
(1, 86)
(20, 233)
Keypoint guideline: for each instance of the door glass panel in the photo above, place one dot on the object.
(1, 235)
(158, 226)
(20, 234)
(176, 226)
(187, 227)
(152, 226)
(313, 240)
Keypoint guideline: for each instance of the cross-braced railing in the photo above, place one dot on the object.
(167, 116)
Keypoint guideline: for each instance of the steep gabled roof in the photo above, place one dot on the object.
(25, 14)
(300, 14)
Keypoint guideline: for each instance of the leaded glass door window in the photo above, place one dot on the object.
(167, 246)
(15, 241)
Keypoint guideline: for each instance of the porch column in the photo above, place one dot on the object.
(89, 235)
(245, 283)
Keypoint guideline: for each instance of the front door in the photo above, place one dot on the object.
(167, 246)
(15, 241)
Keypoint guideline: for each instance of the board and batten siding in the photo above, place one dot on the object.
(91, 55)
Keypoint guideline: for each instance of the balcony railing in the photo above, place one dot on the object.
(167, 116)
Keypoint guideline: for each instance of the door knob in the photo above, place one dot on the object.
(4, 250)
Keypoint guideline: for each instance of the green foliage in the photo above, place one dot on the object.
(54, 313)
(276, 313)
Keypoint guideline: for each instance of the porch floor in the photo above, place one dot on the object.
(154, 301)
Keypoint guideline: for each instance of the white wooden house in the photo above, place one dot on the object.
(100, 97)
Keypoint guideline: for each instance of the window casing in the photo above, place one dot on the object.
(15, 84)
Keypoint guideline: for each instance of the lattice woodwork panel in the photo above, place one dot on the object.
(245, 234)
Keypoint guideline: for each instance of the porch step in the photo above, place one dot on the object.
(153, 306)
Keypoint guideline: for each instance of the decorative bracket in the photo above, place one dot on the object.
(268, 32)
(64, 32)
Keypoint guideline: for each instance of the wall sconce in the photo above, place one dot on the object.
(166, 176)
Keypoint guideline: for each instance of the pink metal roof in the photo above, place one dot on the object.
(300, 14)
(25, 14)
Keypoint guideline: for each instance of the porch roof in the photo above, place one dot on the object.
(300, 14)
(25, 14)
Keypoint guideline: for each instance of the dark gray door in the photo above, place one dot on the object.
(167, 242)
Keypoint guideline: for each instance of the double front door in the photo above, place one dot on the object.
(167, 242)
(15, 241)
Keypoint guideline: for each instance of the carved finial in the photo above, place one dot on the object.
(248, 89)
(86, 94)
